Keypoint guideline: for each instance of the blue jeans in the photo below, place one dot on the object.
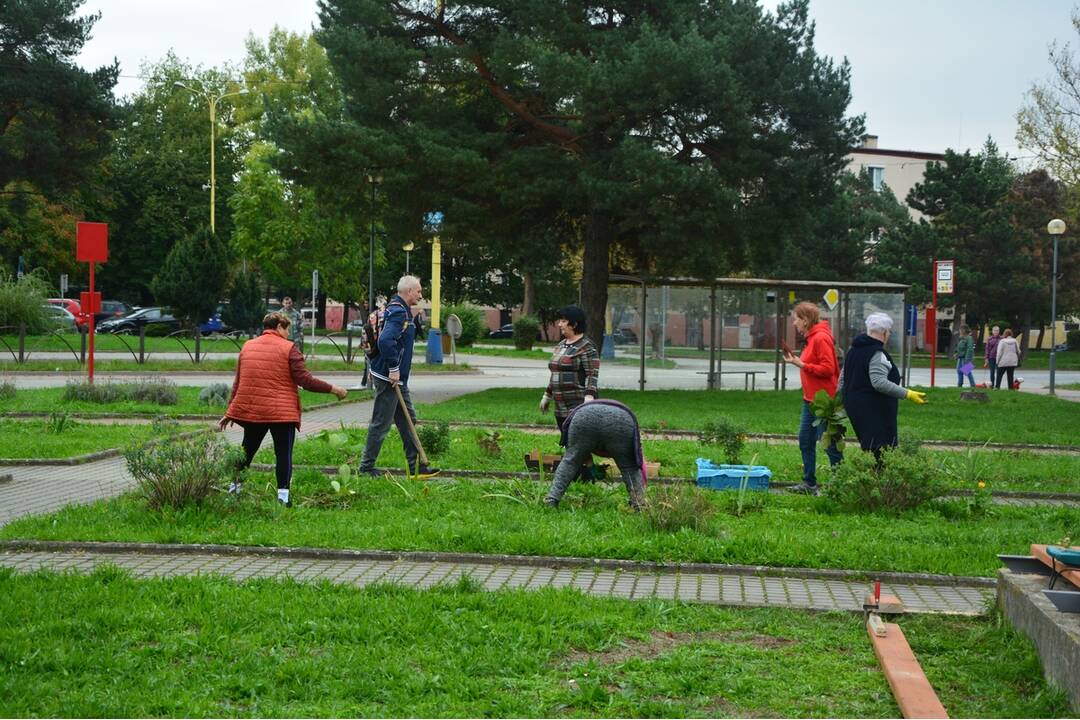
(808, 440)
(960, 374)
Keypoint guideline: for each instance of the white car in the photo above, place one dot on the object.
(64, 320)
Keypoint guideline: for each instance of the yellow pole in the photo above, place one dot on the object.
(436, 281)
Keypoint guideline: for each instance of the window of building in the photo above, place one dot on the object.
(877, 176)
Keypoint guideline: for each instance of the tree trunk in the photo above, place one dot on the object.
(594, 274)
(528, 304)
(1042, 332)
(1025, 331)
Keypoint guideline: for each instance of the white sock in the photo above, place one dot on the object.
(283, 495)
(234, 487)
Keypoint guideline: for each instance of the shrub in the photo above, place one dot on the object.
(909, 443)
(435, 437)
(21, 303)
(674, 507)
(58, 423)
(216, 394)
(900, 483)
(159, 330)
(472, 322)
(488, 442)
(525, 329)
(728, 435)
(159, 392)
(7, 390)
(176, 473)
(1072, 339)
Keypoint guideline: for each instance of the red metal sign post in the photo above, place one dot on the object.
(91, 246)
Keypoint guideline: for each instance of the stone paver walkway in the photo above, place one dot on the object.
(715, 588)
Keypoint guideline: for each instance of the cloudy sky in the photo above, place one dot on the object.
(928, 74)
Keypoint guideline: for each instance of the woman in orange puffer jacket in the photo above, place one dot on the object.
(264, 397)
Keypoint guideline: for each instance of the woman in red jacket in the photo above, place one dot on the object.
(818, 370)
(264, 397)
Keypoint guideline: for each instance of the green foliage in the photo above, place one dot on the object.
(7, 390)
(216, 394)
(525, 329)
(472, 322)
(21, 302)
(57, 117)
(193, 277)
(900, 483)
(435, 437)
(672, 508)
(830, 411)
(729, 435)
(1072, 339)
(177, 473)
(58, 423)
(245, 308)
(488, 442)
(156, 391)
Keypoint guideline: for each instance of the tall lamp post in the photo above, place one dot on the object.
(374, 179)
(408, 248)
(213, 101)
(1055, 227)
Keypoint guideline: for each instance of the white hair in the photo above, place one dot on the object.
(406, 282)
(878, 323)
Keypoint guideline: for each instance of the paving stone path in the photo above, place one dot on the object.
(716, 588)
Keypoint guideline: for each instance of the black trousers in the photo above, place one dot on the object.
(284, 435)
(1001, 372)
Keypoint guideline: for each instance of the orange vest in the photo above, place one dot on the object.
(265, 391)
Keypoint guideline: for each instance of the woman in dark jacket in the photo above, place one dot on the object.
(870, 384)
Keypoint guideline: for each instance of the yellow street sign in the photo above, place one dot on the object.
(832, 296)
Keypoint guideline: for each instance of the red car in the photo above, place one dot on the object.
(72, 306)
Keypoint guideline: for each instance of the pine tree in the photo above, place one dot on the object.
(193, 277)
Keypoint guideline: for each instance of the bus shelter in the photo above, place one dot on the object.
(733, 329)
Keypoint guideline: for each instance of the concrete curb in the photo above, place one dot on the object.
(547, 561)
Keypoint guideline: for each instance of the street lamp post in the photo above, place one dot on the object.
(212, 101)
(1055, 227)
(408, 248)
(374, 179)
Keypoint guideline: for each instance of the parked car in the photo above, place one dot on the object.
(111, 309)
(506, 331)
(152, 317)
(624, 336)
(73, 308)
(64, 320)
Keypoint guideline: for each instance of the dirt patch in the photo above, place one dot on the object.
(660, 643)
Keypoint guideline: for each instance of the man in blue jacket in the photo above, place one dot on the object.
(391, 367)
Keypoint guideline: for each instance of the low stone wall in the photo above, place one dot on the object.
(1056, 634)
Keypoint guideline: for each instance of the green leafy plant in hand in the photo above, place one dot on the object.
(830, 411)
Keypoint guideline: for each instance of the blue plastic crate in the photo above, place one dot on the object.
(730, 477)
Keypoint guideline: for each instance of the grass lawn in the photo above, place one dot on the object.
(1001, 469)
(320, 364)
(48, 400)
(106, 645)
(1010, 417)
(593, 521)
(39, 439)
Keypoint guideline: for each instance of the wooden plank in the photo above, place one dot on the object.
(1039, 552)
(913, 692)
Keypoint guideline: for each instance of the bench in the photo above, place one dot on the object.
(749, 376)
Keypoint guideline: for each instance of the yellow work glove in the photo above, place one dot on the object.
(916, 397)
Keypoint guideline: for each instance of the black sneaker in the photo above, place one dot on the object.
(804, 489)
(286, 503)
(551, 503)
(426, 471)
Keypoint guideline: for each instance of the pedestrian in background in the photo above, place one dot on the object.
(965, 357)
(990, 354)
(1008, 358)
(389, 369)
(264, 397)
(574, 366)
(870, 386)
(818, 370)
(296, 323)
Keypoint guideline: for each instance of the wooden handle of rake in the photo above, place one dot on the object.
(409, 422)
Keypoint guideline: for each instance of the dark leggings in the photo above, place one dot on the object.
(1001, 372)
(284, 434)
